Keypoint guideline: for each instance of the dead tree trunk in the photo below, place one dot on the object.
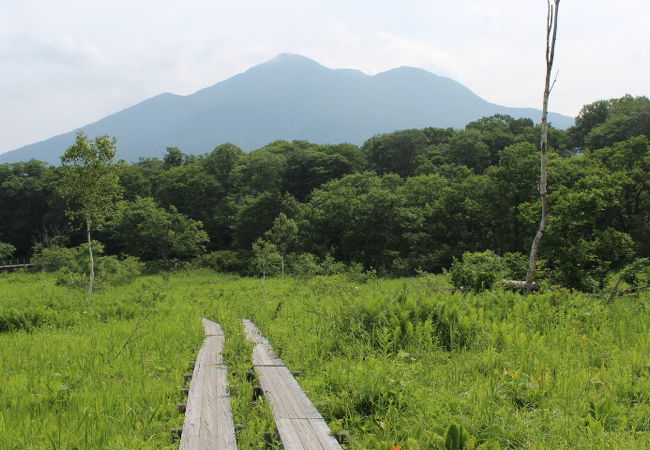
(551, 33)
(91, 262)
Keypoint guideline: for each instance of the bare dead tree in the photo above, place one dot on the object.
(551, 33)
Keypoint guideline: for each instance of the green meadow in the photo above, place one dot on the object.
(388, 362)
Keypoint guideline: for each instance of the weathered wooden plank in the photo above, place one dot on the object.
(208, 418)
(300, 425)
(327, 440)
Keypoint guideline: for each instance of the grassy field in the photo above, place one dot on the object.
(394, 362)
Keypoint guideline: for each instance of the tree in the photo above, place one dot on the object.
(265, 257)
(551, 33)
(357, 218)
(283, 234)
(90, 181)
(396, 152)
(222, 162)
(6, 250)
(144, 229)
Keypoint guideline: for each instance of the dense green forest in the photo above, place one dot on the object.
(407, 201)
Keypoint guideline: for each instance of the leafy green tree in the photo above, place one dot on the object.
(466, 148)
(396, 152)
(29, 201)
(283, 234)
(222, 163)
(627, 117)
(584, 237)
(174, 158)
(495, 132)
(266, 258)
(91, 182)
(357, 218)
(261, 171)
(6, 250)
(144, 229)
(308, 169)
(257, 214)
(194, 192)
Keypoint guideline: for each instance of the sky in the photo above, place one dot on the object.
(68, 64)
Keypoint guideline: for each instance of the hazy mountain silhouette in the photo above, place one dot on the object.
(289, 97)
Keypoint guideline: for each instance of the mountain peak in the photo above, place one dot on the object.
(291, 59)
(288, 97)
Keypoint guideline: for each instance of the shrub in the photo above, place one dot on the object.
(114, 271)
(304, 265)
(6, 250)
(221, 261)
(72, 265)
(51, 259)
(637, 273)
(477, 271)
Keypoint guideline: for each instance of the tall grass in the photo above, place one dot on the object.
(394, 362)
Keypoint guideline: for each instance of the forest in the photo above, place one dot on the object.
(403, 203)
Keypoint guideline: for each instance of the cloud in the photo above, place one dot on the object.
(65, 65)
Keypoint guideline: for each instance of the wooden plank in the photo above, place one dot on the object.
(300, 425)
(208, 418)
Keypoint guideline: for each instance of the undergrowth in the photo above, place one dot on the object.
(403, 362)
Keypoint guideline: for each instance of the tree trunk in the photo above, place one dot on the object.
(91, 262)
(551, 33)
(282, 265)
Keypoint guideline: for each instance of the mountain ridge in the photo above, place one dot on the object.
(288, 97)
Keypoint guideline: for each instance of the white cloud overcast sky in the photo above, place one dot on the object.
(66, 64)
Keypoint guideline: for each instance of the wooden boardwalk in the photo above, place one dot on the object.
(208, 416)
(300, 425)
(10, 268)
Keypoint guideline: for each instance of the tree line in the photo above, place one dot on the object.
(407, 201)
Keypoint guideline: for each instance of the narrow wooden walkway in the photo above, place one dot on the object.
(208, 416)
(9, 268)
(300, 425)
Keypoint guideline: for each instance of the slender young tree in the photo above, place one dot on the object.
(283, 234)
(551, 33)
(90, 182)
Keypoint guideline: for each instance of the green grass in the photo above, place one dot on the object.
(394, 362)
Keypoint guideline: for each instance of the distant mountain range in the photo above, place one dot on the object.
(289, 97)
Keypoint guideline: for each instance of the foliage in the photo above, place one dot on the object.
(477, 271)
(408, 201)
(283, 235)
(221, 261)
(266, 258)
(144, 229)
(89, 179)
(401, 362)
(637, 273)
(70, 263)
(6, 250)
(53, 258)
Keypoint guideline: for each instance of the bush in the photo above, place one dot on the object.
(637, 273)
(586, 264)
(114, 271)
(221, 261)
(478, 271)
(51, 259)
(6, 250)
(304, 265)
(72, 265)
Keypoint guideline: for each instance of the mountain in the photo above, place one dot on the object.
(289, 97)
